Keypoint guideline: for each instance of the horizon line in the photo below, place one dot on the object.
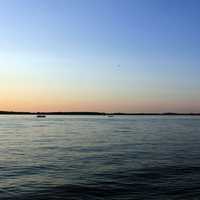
(94, 113)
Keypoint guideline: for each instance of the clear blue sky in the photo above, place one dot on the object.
(104, 55)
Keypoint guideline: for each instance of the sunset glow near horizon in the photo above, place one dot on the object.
(100, 55)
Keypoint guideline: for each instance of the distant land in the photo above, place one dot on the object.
(91, 113)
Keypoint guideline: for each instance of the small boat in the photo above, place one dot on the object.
(41, 116)
(110, 115)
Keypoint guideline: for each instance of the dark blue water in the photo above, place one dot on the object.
(100, 158)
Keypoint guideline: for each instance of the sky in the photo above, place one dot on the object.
(100, 55)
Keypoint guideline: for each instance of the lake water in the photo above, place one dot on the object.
(99, 157)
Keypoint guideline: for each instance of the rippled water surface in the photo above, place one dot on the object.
(99, 157)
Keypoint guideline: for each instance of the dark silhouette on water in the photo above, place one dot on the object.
(41, 116)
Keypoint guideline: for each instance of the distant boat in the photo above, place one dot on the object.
(41, 116)
(110, 115)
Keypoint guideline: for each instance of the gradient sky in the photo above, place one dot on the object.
(100, 55)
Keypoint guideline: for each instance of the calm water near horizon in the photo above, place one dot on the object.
(99, 157)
